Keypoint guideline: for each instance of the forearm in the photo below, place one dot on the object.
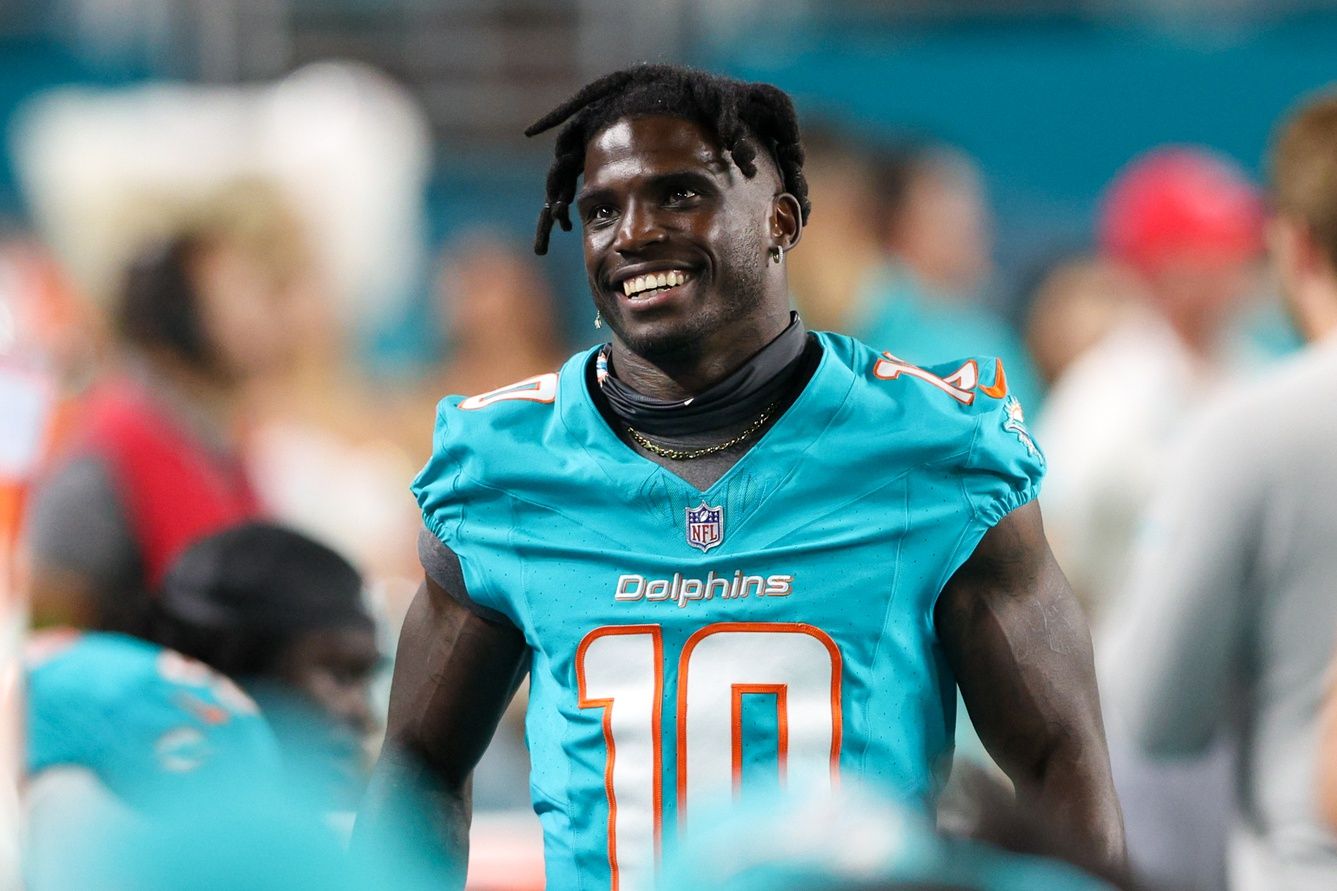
(454, 674)
(1074, 790)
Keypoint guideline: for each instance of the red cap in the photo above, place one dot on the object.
(1172, 201)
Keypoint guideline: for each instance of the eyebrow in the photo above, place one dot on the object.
(584, 196)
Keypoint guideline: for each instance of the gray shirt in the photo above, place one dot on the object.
(78, 523)
(1230, 619)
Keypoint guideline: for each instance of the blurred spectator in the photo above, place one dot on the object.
(323, 450)
(156, 462)
(148, 770)
(43, 345)
(1230, 621)
(498, 314)
(1074, 303)
(284, 617)
(899, 253)
(118, 730)
(1184, 226)
(925, 305)
(842, 248)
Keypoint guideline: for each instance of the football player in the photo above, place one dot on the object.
(728, 552)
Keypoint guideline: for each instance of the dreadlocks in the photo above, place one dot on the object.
(739, 114)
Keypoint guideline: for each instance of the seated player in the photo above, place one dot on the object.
(284, 617)
(121, 731)
(726, 550)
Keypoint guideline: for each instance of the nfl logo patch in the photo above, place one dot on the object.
(705, 526)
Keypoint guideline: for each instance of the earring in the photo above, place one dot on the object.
(598, 318)
(777, 255)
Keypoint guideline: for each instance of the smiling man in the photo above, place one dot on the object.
(727, 551)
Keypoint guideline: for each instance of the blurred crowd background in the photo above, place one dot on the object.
(246, 245)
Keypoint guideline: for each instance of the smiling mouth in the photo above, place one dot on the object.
(643, 287)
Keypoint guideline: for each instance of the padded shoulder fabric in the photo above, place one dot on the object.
(484, 448)
(969, 399)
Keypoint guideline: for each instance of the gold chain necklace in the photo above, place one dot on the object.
(689, 454)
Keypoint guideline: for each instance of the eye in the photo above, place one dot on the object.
(600, 213)
(682, 194)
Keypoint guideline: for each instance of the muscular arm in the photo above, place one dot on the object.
(455, 672)
(1020, 648)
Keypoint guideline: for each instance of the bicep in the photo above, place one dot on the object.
(455, 672)
(1019, 646)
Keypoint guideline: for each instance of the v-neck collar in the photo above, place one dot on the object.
(773, 455)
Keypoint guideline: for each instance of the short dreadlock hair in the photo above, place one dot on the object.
(739, 114)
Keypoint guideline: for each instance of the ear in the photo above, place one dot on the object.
(1305, 274)
(1292, 245)
(1293, 248)
(786, 221)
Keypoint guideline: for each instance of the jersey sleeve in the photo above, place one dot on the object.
(463, 515)
(442, 565)
(1005, 466)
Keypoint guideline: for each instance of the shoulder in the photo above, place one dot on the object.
(516, 411)
(1303, 386)
(100, 667)
(120, 409)
(1285, 409)
(167, 709)
(959, 415)
(505, 440)
(956, 394)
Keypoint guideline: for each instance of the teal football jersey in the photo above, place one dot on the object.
(153, 724)
(776, 627)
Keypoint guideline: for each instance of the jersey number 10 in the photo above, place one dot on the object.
(620, 669)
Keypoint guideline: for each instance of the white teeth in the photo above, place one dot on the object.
(670, 279)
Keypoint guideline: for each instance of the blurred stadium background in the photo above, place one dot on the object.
(384, 138)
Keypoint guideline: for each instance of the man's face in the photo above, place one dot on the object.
(333, 668)
(661, 200)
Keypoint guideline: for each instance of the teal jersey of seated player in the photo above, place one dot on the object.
(156, 727)
(776, 627)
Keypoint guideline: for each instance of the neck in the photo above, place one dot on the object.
(682, 374)
(1314, 311)
(215, 399)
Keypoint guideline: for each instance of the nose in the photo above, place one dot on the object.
(640, 225)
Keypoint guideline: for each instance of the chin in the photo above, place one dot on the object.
(666, 339)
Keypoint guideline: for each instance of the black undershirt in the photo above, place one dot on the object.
(794, 355)
(755, 385)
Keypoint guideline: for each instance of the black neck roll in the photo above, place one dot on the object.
(761, 381)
